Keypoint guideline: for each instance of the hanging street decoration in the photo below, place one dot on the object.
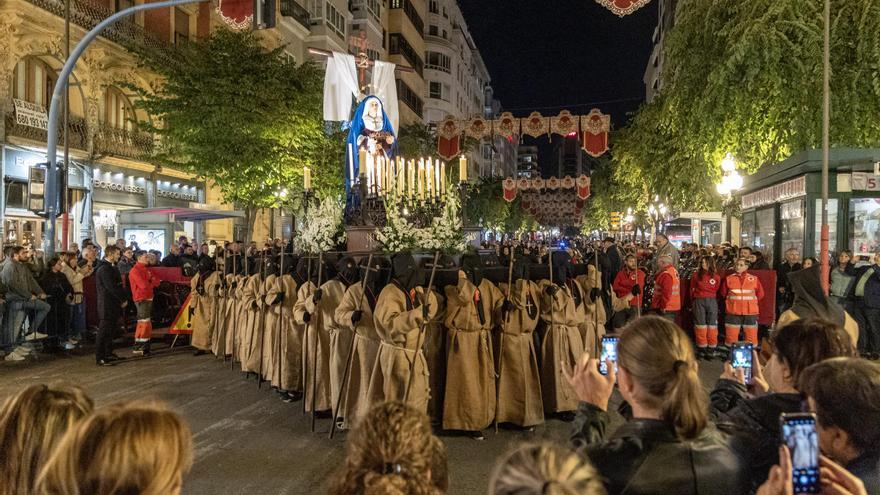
(623, 7)
(593, 129)
(568, 183)
(449, 138)
(594, 132)
(238, 14)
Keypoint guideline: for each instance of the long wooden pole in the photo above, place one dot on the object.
(315, 346)
(422, 328)
(501, 341)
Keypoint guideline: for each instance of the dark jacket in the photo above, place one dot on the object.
(234, 263)
(644, 456)
(206, 264)
(867, 468)
(56, 286)
(108, 283)
(754, 424)
(872, 288)
(172, 260)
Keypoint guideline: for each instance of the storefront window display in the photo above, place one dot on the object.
(864, 219)
(791, 215)
(765, 233)
(747, 229)
(832, 226)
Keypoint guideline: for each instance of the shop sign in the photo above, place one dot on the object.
(774, 194)
(117, 186)
(184, 196)
(863, 181)
(30, 114)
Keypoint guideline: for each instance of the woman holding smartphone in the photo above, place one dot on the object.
(751, 412)
(669, 445)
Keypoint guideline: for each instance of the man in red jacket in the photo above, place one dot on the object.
(629, 281)
(667, 289)
(142, 283)
(741, 291)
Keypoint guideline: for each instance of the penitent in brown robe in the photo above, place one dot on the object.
(519, 386)
(316, 349)
(253, 335)
(269, 367)
(398, 319)
(591, 331)
(469, 402)
(355, 398)
(340, 335)
(435, 355)
(290, 368)
(562, 342)
(202, 305)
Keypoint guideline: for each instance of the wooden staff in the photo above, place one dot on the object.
(501, 342)
(233, 287)
(280, 316)
(303, 365)
(598, 284)
(315, 346)
(422, 328)
(346, 374)
(262, 324)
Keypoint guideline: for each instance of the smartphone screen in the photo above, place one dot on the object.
(609, 351)
(741, 357)
(799, 434)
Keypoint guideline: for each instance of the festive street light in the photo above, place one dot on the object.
(657, 211)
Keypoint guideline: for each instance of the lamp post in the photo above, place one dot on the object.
(731, 181)
(629, 219)
(657, 211)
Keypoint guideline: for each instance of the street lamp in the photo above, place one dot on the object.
(731, 181)
(656, 211)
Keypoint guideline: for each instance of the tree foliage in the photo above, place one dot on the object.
(487, 207)
(745, 77)
(244, 117)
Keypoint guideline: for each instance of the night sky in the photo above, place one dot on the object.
(548, 55)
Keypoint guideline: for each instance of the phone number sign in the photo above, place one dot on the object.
(30, 114)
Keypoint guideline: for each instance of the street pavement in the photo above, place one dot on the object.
(245, 440)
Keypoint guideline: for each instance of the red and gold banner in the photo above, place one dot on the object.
(509, 188)
(535, 125)
(238, 14)
(583, 187)
(623, 7)
(448, 138)
(564, 124)
(478, 128)
(506, 126)
(595, 127)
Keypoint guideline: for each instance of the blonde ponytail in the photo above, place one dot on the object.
(544, 469)
(660, 358)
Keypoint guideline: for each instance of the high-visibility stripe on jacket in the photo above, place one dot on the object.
(667, 290)
(742, 293)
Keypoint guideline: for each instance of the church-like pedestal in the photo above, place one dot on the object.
(362, 238)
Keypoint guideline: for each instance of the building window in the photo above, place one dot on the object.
(438, 61)
(411, 13)
(409, 97)
(791, 215)
(123, 4)
(432, 7)
(374, 9)
(316, 12)
(118, 112)
(435, 90)
(397, 45)
(34, 81)
(433, 30)
(445, 35)
(335, 20)
(181, 26)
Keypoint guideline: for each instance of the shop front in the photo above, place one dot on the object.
(21, 225)
(782, 205)
(178, 193)
(114, 190)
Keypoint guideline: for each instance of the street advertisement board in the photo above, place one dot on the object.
(146, 239)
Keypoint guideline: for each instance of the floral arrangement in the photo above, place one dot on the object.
(443, 234)
(324, 229)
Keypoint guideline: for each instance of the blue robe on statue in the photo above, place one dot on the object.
(367, 132)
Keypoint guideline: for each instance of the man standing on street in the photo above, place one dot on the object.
(866, 307)
(667, 288)
(111, 301)
(666, 248)
(629, 282)
(784, 295)
(142, 284)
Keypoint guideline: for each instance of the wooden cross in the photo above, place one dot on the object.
(360, 43)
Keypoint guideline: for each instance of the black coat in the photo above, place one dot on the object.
(754, 424)
(108, 283)
(867, 468)
(644, 456)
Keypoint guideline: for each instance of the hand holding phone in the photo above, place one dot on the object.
(608, 351)
(741, 357)
(799, 435)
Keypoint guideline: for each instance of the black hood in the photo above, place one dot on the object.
(810, 299)
(562, 268)
(306, 269)
(405, 271)
(347, 271)
(520, 270)
(379, 273)
(472, 266)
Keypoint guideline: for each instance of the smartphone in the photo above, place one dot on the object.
(609, 351)
(741, 357)
(799, 434)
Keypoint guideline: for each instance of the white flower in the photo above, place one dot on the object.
(323, 229)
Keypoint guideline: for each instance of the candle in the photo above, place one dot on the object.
(401, 176)
(350, 164)
(421, 179)
(362, 163)
(371, 163)
(443, 178)
(307, 178)
(429, 178)
(437, 178)
(411, 170)
(462, 169)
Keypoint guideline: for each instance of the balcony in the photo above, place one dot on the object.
(123, 143)
(76, 131)
(124, 32)
(397, 45)
(409, 97)
(411, 13)
(290, 8)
